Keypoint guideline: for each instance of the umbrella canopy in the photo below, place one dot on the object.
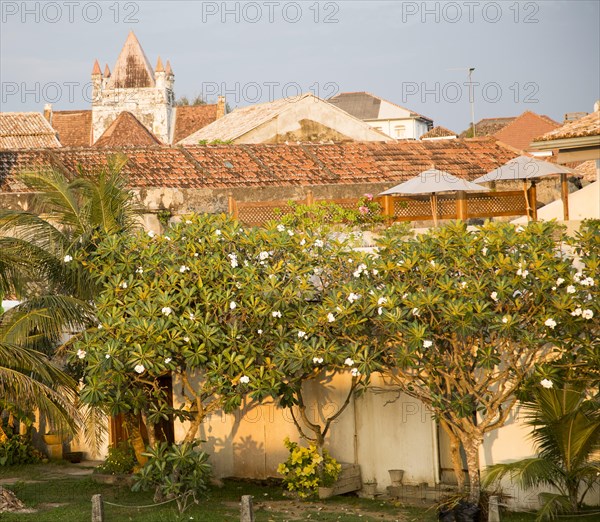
(523, 167)
(432, 181)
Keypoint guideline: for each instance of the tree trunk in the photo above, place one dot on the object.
(190, 435)
(471, 446)
(457, 464)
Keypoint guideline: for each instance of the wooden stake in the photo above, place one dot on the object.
(493, 510)
(97, 509)
(247, 512)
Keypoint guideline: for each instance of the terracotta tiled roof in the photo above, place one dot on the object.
(126, 131)
(522, 130)
(438, 132)
(587, 171)
(74, 128)
(269, 165)
(26, 130)
(587, 126)
(488, 126)
(191, 118)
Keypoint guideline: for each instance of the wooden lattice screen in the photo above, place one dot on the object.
(416, 208)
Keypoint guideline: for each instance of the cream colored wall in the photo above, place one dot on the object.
(376, 435)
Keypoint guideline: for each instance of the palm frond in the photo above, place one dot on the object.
(47, 315)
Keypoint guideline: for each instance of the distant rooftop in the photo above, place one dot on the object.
(26, 130)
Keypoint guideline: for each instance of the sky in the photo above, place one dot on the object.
(542, 56)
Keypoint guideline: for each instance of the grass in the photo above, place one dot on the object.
(58, 497)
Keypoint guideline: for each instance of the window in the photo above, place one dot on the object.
(400, 131)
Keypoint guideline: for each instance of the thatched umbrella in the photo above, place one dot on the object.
(526, 168)
(432, 182)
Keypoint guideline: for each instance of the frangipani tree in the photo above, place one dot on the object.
(470, 314)
(227, 311)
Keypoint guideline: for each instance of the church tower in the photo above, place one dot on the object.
(135, 87)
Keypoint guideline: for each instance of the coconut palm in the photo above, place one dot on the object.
(566, 431)
(38, 249)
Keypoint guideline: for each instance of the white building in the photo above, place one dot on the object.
(395, 121)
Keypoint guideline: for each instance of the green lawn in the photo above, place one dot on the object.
(58, 497)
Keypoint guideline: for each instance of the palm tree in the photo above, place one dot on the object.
(37, 266)
(566, 431)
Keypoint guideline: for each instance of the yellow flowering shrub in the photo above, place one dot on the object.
(306, 470)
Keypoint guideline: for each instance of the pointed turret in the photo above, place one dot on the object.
(132, 69)
(169, 70)
(96, 70)
(106, 71)
(159, 66)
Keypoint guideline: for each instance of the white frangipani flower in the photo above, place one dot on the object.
(139, 270)
(550, 323)
(168, 360)
(494, 296)
(232, 305)
(349, 362)
(276, 313)
(546, 383)
(317, 360)
(588, 281)
(123, 285)
(184, 268)
(330, 317)
(380, 311)
(427, 344)
(259, 331)
(188, 222)
(587, 314)
(559, 281)
(303, 242)
(244, 379)
(166, 310)
(168, 238)
(140, 368)
(319, 243)
(301, 334)
(415, 312)
(484, 251)
(186, 339)
(218, 232)
(280, 228)
(151, 233)
(505, 319)
(67, 258)
(263, 255)
(353, 297)
(233, 260)
(571, 289)
(81, 353)
(107, 356)
(355, 372)
(192, 316)
(577, 312)
(381, 301)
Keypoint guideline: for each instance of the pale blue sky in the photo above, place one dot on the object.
(542, 56)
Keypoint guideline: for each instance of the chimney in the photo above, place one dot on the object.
(221, 107)
(48, 113)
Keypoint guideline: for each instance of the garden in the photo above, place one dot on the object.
(470, 321)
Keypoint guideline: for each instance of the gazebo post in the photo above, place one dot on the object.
(527, 205)
(434, 209)
(564, 185)
(461, 205)
(533, 199)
